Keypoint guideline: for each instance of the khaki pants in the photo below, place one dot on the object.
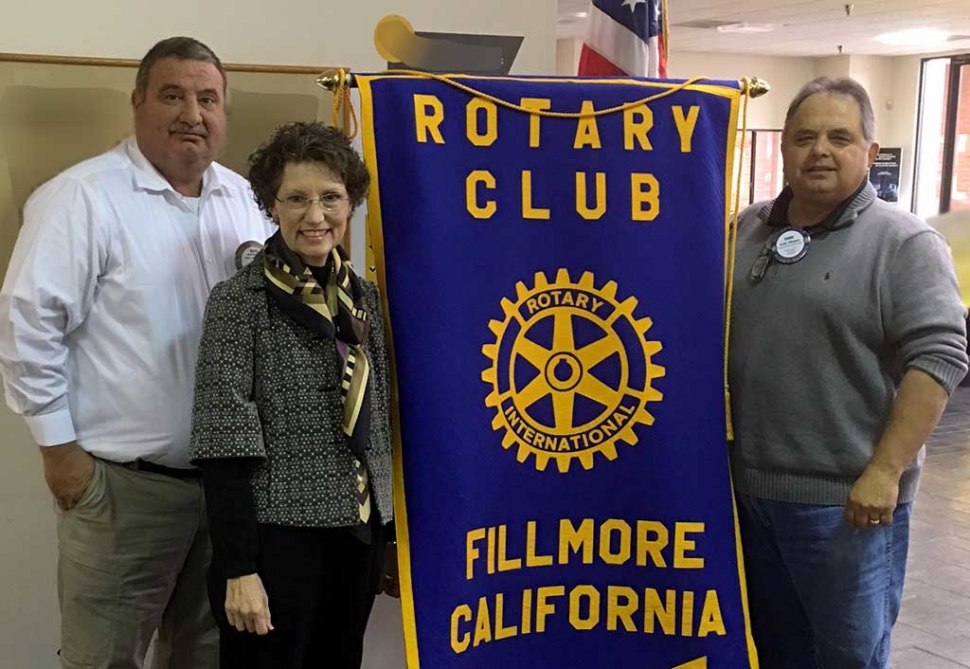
(133, 559)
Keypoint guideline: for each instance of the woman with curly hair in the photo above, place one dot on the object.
(291, 422)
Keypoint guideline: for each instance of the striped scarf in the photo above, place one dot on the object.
(335, 310)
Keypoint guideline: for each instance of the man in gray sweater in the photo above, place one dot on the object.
(848, 336)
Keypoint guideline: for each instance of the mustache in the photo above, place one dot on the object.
(197, 130)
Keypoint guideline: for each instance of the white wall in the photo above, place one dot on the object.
(303, 32)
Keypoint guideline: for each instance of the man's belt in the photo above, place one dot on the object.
(175, 473)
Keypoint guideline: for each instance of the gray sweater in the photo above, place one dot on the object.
(818, 347)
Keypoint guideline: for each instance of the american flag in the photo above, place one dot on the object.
(625, 37)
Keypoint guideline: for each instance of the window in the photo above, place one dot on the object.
(760, 166)
(942, 151)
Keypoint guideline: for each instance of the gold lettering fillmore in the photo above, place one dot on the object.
(611, 541)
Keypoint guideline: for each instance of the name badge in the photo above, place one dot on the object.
(246, 252)
(791, 245)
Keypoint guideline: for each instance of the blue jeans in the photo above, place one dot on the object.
(822, 595)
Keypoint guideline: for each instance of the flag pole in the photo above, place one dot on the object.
(664, 35)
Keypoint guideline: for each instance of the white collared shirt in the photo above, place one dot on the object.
(101, 309)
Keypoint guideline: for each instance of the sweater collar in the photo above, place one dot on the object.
(775, 212)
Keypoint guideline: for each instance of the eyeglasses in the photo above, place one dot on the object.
(329, 202)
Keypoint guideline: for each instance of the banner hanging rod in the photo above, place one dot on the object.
(335, 78)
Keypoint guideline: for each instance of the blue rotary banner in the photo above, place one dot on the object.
(552, 253)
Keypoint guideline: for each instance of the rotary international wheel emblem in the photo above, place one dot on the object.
(571, 371)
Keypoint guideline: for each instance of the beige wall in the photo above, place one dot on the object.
(892, 82)
(902, 131)
(28, 595)
(315, 33)
(306, 32)
(568, 51)
(785, 75)
(832, 66)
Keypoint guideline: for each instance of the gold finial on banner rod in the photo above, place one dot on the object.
(757, 87)
(336, 77)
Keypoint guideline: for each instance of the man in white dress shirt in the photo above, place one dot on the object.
(100, 319)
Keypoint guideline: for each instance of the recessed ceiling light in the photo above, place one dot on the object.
(914, 37)
(745, 28)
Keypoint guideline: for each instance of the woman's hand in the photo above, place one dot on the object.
(247, 605)
(389, 581)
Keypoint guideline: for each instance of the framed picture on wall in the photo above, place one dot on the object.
(884, 173)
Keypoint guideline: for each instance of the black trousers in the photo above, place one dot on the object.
(321, 584)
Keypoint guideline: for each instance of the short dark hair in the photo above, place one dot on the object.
(841, 86)
(183, 48)
(302, 142)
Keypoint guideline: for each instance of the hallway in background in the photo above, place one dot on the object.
(933, 631)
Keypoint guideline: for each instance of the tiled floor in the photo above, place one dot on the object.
(933, 631)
